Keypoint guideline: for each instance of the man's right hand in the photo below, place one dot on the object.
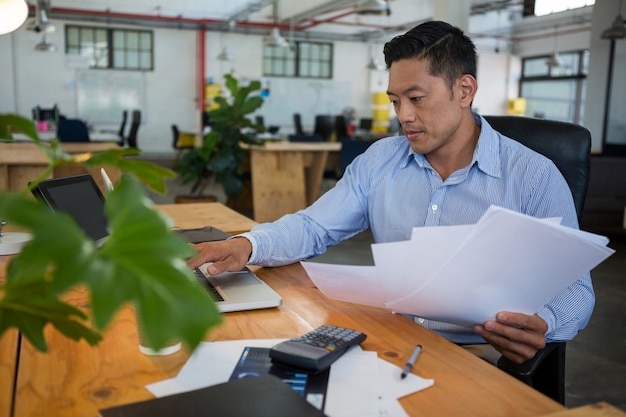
(226, 255)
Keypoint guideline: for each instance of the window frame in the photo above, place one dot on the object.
(578, 75)
(144, 54)
(313, 60)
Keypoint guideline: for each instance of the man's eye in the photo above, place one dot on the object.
(415, 99)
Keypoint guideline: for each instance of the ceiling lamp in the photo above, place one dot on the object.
(375, 7)
(225, 55)
(554, 60)
(13, 13)
(617, 29)
(45, 46)
(40, 22)
(275, 39)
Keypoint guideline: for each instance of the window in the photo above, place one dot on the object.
(306, 60)
(556, 93)
(111, 48)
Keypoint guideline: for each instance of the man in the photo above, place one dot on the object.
(447, 169)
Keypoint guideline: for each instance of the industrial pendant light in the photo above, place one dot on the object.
(374, 7)
(45, 46)
(13, 14)
(554, 60)
(275, 38)
(225, 55)
(617, 29)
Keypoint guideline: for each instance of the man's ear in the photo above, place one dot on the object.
(468, 86)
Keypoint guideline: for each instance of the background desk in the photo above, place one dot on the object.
(21, 162)
(74, 379)
(286, 176)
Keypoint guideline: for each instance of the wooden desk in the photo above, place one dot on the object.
(74, 379)
(286, 176)
(21, 162)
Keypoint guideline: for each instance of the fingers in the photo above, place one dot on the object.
(226, 255)
(517, 336)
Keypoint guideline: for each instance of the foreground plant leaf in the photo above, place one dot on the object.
(142, 262)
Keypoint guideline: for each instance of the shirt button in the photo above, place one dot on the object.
(434, 207)
(420, 320)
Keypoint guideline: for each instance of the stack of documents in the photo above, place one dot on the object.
(360, 383)
(466, 274)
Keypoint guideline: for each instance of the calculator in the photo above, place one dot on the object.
(316, 350)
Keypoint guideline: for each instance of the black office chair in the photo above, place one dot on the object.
(181, 141)
(324, 126)
(297, 124)
(131, 139)
(72, 130)
(569, 146)
(341, 128)
(122, 128)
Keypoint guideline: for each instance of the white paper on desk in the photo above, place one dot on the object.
(211, 363)
(355, 284)
(362, 385)
(511, 262)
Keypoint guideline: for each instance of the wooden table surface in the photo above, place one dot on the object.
(74, 379)
(21, 162)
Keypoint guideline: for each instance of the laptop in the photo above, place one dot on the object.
(80, 197)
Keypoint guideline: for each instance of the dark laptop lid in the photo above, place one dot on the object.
(80, 197)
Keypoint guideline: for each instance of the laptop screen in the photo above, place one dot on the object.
(80, 197)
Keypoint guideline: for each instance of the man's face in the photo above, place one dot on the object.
(429, 112)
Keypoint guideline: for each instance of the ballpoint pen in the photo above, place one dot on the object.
(108, 184)
(409, 364)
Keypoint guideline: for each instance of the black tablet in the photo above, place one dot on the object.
(80, 197)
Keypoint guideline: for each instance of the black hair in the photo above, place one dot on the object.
(449, 52)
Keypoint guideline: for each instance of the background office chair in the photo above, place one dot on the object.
(120, 131)
(324, 126)
(131, 139)
(297, 124)
(72, 130)
(341, 128)
(569, 146)
(181, 141)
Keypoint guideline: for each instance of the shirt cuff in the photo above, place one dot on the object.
(252, 260)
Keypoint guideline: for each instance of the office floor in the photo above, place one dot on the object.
(596, 358)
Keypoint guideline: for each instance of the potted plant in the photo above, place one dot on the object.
(221, 155)
(142, 262)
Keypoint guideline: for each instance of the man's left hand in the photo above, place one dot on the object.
(516, 336)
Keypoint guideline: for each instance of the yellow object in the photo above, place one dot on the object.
(380, 112)
(516, 106)
(186, 140)
(210, 92)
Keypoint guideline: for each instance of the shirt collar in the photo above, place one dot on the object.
(486, 155)
(487, 152)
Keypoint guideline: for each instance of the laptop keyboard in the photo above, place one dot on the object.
(206, 284)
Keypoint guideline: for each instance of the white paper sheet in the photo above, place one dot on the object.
(360, 384)
(465, 275)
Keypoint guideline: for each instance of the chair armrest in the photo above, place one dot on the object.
(544, 372)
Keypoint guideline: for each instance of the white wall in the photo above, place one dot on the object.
(29, 78)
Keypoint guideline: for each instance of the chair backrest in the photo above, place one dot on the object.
(568, 145)
(341, 128)
(350, 149)
(297, 124)
(175, 136)
(72, 130)
(120, 132)
(324, 126)
(134, 127)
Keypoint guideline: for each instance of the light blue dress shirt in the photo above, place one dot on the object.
(391, 189)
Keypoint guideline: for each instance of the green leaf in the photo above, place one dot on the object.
(10, 123)
(170, 302)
